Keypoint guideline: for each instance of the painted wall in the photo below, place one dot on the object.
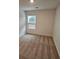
(21, 23)
(56, 29)
(44, 22)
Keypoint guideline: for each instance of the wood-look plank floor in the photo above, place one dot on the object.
(37, 47)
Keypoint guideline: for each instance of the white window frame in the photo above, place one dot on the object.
(29, 23)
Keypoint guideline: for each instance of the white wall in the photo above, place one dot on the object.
(21, 23)
(56, 29)
(44, 22)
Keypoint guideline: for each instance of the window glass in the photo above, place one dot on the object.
(31, 22)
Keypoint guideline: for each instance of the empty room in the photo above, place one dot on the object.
(39, 29)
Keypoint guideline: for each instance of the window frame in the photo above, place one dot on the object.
(30, 23)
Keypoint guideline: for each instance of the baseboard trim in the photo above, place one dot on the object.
(39, 34)
(56, 52)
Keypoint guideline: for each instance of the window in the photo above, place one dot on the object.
(31, 22)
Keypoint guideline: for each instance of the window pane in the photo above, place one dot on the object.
(32, 19)
(30, 26)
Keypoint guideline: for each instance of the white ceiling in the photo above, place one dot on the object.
(42, 4)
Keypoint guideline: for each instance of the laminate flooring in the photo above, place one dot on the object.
(37, 47)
